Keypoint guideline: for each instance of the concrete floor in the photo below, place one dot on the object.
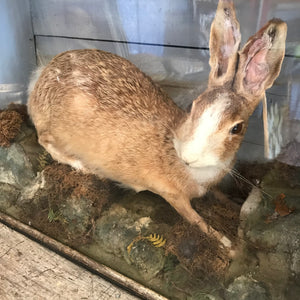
(31, 271)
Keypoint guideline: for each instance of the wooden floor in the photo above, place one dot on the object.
(30, 271)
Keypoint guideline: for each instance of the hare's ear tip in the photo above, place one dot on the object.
(275, 28)
(279, 26)
(226, 4)
(226, 1)
(278, 23)
(282, 24)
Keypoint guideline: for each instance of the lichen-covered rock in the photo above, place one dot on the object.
(295, 263)
(118, 227)
(246, 288)
(20, 162)
(251, 211)
(19, 157)
(19, 166)
(15, 167)
(270, 223)
(20, 152)
(29, 192)
(148, 259)
(203, 296)
(274, 270)
(121, 231)
(77, 214)
(9, 195)
(281, 234)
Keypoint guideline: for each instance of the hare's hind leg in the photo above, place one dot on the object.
(184, 208)
(48, 142)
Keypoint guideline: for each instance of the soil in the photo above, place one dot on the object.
(199, 253)
(63, 182)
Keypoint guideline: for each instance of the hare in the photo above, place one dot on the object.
(100, 114)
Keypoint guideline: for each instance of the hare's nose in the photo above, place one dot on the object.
(186, 163)
(189, 162)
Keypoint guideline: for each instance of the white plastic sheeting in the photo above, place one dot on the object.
(17, 57)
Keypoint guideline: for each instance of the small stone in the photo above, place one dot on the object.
(251, 204)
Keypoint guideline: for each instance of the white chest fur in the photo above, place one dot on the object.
(206, 175)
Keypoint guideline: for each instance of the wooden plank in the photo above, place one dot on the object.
(17, 55)
(30, 271)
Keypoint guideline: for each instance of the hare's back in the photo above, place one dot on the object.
(116, 83)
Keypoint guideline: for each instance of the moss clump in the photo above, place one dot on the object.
(10, 124)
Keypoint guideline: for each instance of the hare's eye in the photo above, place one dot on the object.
(237, 128)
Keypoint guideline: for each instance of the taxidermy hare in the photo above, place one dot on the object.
(99, 113)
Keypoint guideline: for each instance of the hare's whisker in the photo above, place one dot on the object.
(236, 175)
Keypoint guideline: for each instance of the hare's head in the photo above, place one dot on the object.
(213, 131)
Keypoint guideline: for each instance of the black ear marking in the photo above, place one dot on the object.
(272, 33)
(227, 11)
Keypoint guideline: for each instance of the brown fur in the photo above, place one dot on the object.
(98, 112)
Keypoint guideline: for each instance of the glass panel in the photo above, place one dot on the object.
(17, 54)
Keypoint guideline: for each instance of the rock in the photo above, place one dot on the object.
(122, 232)
(274, 270)
(203, 296)
(115, 229)
(282, 234)
(30, 190)
(250, 210)
(147, 258)
(271, 231)
(77, 214)
(9, 195)
(295, 264)
(15, 167)
(185, 286)
(19, 163)
(246, 288)
(251, 204)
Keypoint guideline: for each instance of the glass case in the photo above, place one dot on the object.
(169, 41)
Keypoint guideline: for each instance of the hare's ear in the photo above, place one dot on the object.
(260, 60)
(224, 43)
